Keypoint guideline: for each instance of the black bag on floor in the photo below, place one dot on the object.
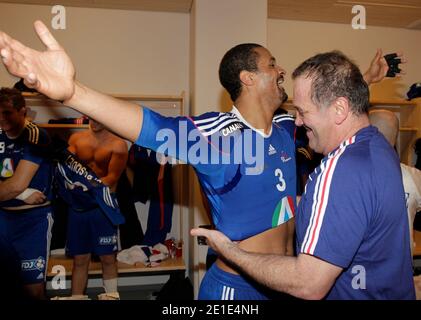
(176, 289)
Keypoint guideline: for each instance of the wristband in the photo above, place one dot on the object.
(26, 194)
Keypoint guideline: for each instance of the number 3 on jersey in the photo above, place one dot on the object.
(281, 186)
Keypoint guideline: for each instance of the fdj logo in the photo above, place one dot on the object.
(105, 241)
(35, 264)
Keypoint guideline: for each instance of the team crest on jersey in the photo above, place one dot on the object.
(285, 157)
(231, 128)
(284, 211)
(33, 264)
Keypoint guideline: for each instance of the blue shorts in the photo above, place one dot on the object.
(90, 231)
(29, 232)
(218, 284)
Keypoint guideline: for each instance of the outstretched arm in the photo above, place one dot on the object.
(379, 67)
(52, 73)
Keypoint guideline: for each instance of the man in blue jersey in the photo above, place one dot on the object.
(25, 191)
(352, 228)
(244, 159)
(244, 154)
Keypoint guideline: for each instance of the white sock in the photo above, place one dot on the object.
(110, 285)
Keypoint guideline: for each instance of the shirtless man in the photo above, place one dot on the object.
(252, 203)
(102, 151)
(89, 230)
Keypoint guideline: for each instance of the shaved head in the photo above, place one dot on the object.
(387, 123)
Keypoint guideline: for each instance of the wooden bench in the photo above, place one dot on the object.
(172, 267)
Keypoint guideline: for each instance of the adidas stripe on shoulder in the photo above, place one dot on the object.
(34, 135)
(215, 122)
(283, 117)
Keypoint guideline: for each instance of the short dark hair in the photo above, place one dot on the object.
(12, 97)
(334, 75)
(239, 58)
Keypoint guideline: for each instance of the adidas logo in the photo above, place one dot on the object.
(40, 276)
(272, 150)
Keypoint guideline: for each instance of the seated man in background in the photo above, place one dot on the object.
(25, 214)
(90, 231)
(388, 124)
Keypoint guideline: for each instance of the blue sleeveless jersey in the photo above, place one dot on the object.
(248, 178)
(25, 147)
(82, 190)
(353, 215)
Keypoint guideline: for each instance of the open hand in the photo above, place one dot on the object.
(50, 72)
